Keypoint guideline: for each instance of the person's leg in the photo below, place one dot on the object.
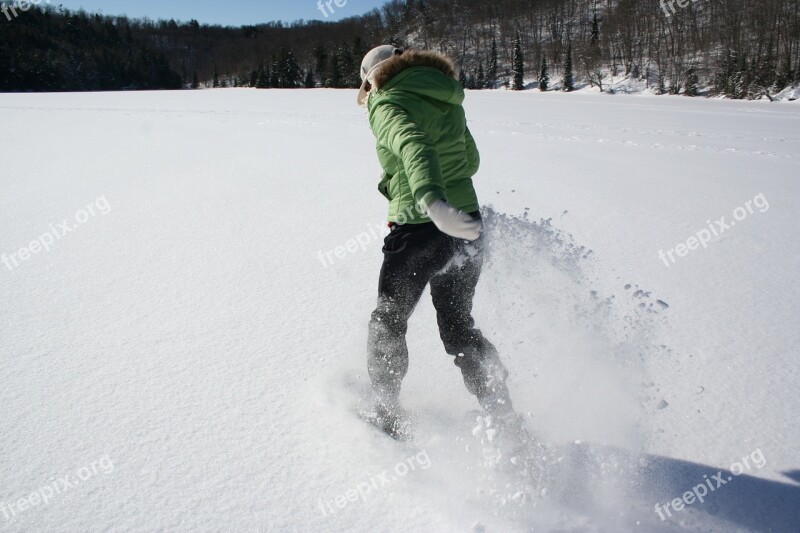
(452, 292)
(412, 255)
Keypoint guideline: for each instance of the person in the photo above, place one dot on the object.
(429, 157)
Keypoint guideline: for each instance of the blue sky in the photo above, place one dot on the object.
(235, 12)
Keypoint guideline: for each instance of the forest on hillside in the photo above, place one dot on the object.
(732, 47)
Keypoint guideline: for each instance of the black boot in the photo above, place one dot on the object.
(393, 420)
(486, 380)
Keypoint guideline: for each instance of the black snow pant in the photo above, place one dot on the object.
(414, 256)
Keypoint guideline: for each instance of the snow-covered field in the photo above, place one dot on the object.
(187, 278)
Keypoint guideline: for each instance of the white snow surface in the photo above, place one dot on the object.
(187, 360)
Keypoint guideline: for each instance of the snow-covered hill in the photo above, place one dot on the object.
(188, 275)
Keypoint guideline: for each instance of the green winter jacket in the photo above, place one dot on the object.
(424, 146)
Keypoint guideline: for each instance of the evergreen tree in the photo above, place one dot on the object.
(320, 58)
(491, 75)
(462, 79)
(275, 76)
(253, 78)
(544, 77)
(692, 83)
(310, 83)
(263, 78)
(471, 81)
(724, 73)
(518, 66)
(334, 78)
(594, 40)
(592, 57)
(343, 69)
(351, 72)
(195, 81)
(567, 78)
(291, 75)
(359, 51)
(216, 78)
(480, 80)
(741, 79)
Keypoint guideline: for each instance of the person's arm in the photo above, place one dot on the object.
(395, 129)
(473, 156)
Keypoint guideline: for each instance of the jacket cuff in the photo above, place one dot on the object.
(429, 196)
(383, 185)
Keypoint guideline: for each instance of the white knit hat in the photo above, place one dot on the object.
(370, 64)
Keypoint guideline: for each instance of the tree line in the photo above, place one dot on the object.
(732, 47)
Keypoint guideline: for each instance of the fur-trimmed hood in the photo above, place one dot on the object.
(411, 58)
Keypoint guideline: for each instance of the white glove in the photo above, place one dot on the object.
(455, 223)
